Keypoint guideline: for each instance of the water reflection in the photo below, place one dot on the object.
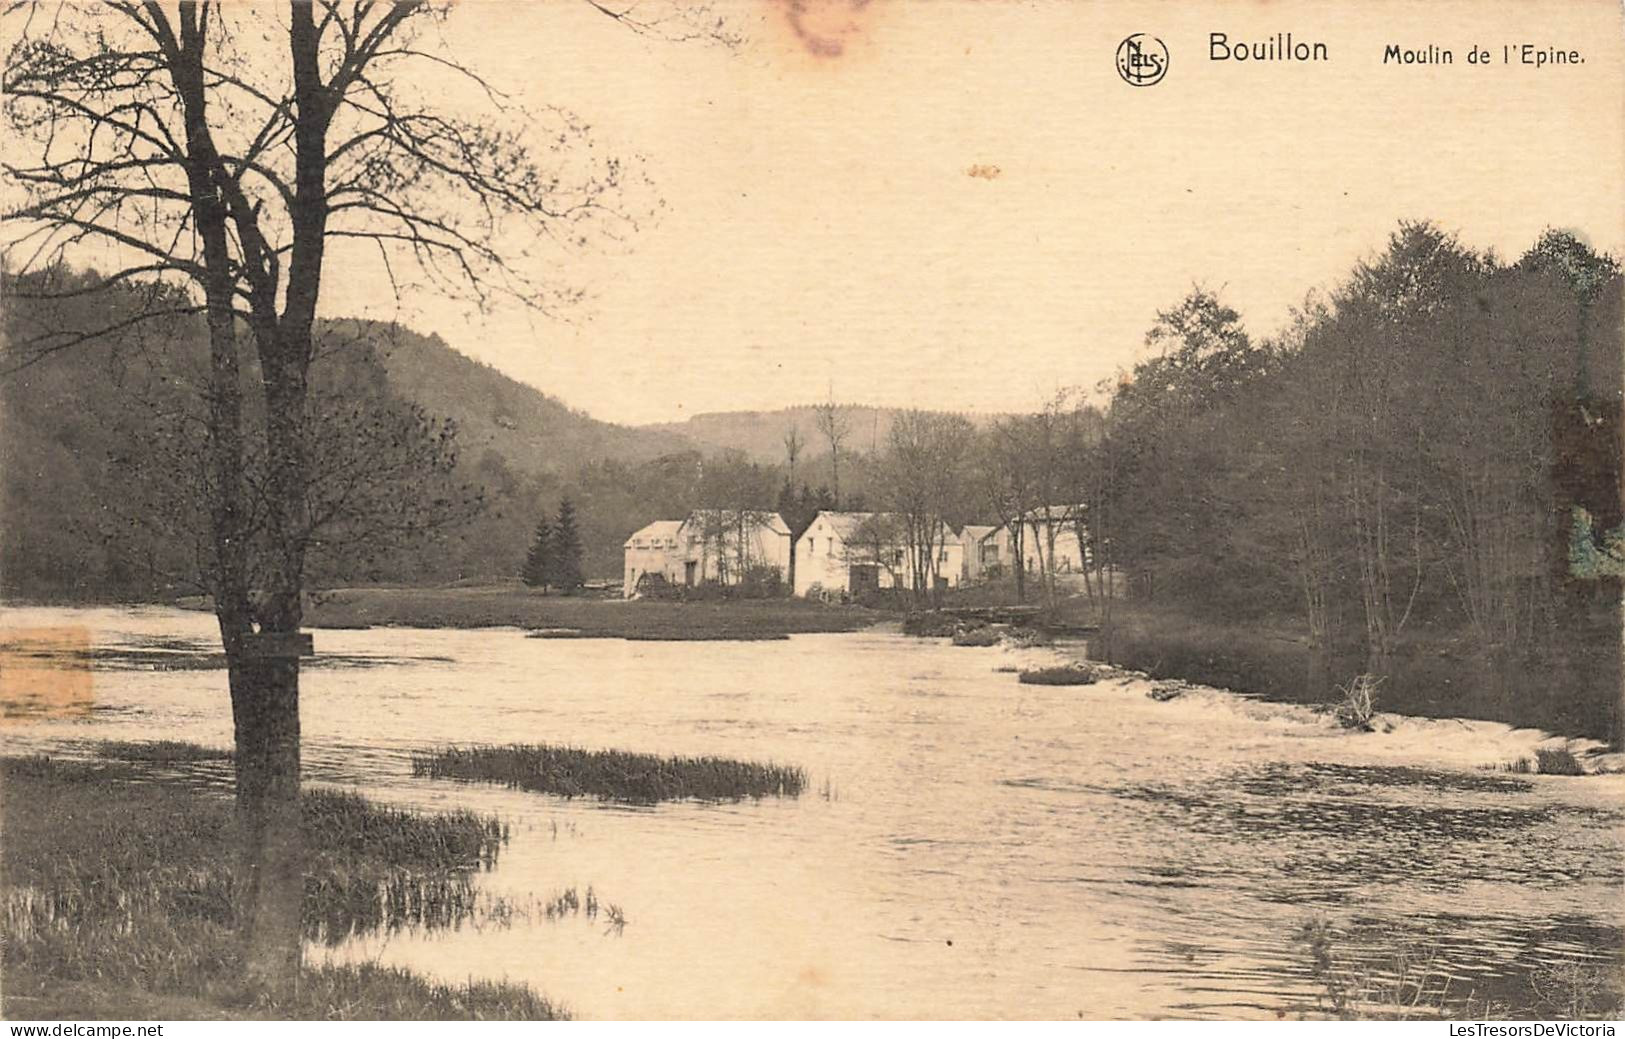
(966, 846)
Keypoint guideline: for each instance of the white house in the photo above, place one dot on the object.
(1050, 540)
(710, 545)
(855, 552)
(653, 550)
(985, 550)
(722, 544)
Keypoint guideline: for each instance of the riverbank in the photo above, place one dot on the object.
(116, 890)
(1432, 697)
(560, 616)
(1433, 675)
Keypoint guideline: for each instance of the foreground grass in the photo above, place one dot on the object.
(1396, 978)
(118, 900)
(517, 606)
(611, 775)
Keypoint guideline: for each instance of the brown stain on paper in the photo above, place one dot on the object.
(45, 673)
(825, 29)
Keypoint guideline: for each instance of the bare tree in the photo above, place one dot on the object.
(1007, 486)
(1091, 481)
(924, 467)
(836, 427)
(227, 149)
(1035, 455)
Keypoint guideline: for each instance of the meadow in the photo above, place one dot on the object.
(561, 616)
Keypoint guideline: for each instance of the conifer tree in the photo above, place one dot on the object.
(538, 561)
(564, 557)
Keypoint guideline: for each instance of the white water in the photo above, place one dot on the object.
(967, 846)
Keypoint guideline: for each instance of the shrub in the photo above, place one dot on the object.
(655, 586)
(1359, 703)
(930, 624)
(761, 582)
(893, 599)
(983, 636)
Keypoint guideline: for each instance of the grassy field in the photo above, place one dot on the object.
(116, 892)
(611, 775)
(580, 617)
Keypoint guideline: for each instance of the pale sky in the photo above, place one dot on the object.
(821, 231)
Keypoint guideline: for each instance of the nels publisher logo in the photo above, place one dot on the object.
(1142, 60)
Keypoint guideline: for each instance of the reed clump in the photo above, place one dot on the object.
(611, 775)
(1557, 761)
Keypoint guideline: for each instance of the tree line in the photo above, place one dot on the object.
(1410, 470)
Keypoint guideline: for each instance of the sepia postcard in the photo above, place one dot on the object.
(882, 510)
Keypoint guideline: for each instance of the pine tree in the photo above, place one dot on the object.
(539, 560)
(565, 556)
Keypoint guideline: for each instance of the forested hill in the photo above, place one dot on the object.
(83, 429)
(529, 429)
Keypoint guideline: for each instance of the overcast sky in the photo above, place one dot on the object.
(821, 230)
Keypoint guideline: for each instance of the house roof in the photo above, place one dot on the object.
(1056, 512)
(846, 524)
(657, 529)
(977, 532)
(771, 520)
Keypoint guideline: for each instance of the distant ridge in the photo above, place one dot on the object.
(760, 434)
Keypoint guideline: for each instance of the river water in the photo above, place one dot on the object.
(967, 846)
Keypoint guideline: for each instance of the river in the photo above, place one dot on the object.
(967, 846)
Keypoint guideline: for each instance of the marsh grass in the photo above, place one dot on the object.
(1063, 674)
(611, 775)
(119, 892)
(160, 752)
(1557, 761)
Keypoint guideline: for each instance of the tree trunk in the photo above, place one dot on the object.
(1017, 564)
(265, 714)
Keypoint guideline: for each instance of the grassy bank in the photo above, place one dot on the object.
(118, 900)
(1434, 674)
(611, 775)
(517, 606)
